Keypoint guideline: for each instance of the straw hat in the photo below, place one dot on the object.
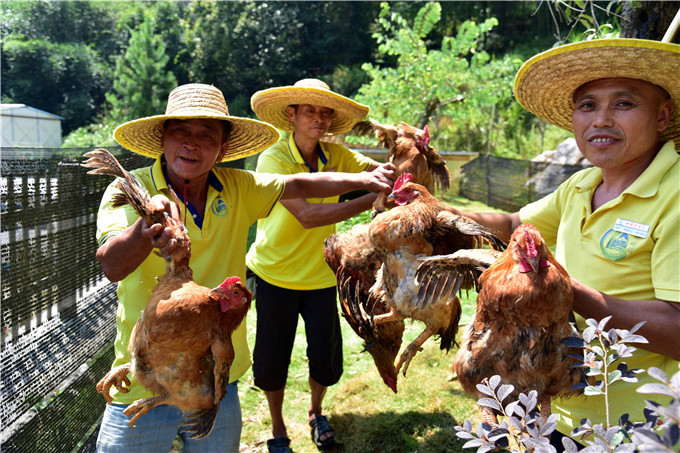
(270, 105)
(192, 101)
(546, 83)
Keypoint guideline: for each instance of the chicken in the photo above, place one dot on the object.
(420, 225)
(355, 263)
(410, 152)
(523, 313)
(181, 346)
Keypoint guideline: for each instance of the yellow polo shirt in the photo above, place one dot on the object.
(284, 253)
(628, 248)
(236, 199)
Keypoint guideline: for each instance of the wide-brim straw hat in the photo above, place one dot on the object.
(546, 83)
(195, 101)
(270, 105)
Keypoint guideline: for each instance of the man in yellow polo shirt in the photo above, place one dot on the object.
(292, 277)
(616, 226)
(195, 133)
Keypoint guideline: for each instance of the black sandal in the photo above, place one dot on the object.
(279, 445)
(320, 426)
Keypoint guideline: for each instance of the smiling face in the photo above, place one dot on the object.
(617, 121)
(192, 147)
(310, 121)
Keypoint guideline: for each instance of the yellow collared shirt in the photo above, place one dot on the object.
(284, 253)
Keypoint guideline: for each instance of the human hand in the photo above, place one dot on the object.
(381, 179)
(159, 236)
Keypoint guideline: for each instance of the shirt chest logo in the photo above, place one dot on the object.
(616, 245)
(219, 207)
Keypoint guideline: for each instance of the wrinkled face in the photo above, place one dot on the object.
(310, 121)
(617, 121)
(192, 147)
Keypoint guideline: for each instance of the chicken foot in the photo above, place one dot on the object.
(412, 349)
(116, 377)
(141, 407)
(378, 205)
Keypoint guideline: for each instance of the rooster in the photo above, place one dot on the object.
(410, 152)
(181, 345)
(523, 313)
(420, 225)
(355, 263)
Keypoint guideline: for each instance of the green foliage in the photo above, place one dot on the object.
(142, 82)
(459, 89)
(54, 60)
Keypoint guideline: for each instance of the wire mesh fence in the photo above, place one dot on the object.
(509, 184)
(58, 310)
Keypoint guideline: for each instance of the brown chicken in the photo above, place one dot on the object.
(523, 314)
(410, 152)
(181, 346)
(355, 263)
(420, 225)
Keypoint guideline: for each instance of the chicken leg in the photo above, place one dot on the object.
(116, 377)
(413, 348)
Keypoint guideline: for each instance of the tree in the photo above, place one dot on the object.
(141, 81)
(459, 89)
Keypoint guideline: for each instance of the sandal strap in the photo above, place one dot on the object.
(279, 445)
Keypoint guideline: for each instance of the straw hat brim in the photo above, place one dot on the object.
(248, 137)
(546, 83)
(270, 105)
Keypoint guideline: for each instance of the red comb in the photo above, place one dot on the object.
(426, 138)
(230, 281)
(402, 179)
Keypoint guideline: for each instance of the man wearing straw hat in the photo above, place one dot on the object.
(292, 277)
(195, 133)
(616, 226)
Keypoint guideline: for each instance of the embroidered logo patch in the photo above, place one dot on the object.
(219, 207)
(616, 245)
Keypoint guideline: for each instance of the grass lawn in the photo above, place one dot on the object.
(365, 414)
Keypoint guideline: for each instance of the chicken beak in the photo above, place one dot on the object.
(391, 197)
(533, 262)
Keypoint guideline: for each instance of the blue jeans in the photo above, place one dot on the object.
(157, 429)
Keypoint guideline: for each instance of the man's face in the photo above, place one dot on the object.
(192, 147)
(617, 121)
(311, 121)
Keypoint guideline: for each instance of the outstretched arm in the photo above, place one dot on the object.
(501, 222)
(663, 317)
(328, 184)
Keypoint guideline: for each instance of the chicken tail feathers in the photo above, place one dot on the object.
(133, 193)
(200, 423)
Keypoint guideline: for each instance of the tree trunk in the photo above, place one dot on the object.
(648, 20)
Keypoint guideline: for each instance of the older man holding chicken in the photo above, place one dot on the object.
(615, 226)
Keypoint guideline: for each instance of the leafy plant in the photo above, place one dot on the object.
(523, 429)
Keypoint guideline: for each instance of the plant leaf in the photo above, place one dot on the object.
(592, 390)
(489, 402)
